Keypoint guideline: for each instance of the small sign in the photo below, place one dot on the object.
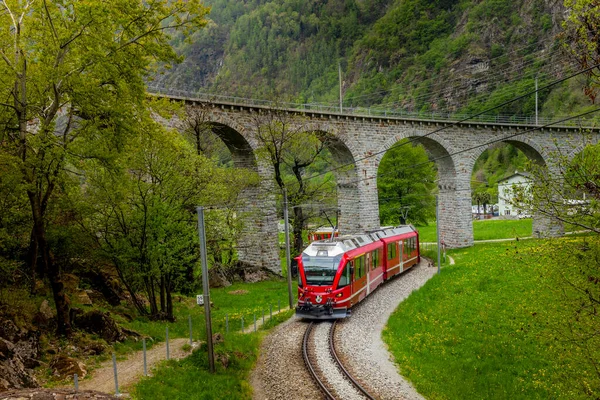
(200, 299)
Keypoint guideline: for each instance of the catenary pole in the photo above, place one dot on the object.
(205, 288)
(287, 248)
(437, 223)
(536, 100)
(340, 77)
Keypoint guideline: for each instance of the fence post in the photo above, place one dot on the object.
(263, 311)
(145, 364)
(190, 324)
(254, 322)
(167, 342)
(242, 324)
(270, 311)
(226, 323)
(279, 305)
(76, 382)
(114, 357)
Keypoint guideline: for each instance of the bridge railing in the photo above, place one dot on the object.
(375, 111)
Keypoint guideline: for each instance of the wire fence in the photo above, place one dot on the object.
(244, 322)
(374, 111)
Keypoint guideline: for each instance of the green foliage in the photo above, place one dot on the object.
(582, 34)
(492, 326)
(495, 163)
(406, 179)
(569, 195)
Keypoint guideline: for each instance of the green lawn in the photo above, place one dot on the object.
(486, 229)
(489, 328)
(190, 378)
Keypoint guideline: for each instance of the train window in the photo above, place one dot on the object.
(391, 251)
(359, 267)
(319, 270)
(345, 277)
(299, 280)
(375, 259)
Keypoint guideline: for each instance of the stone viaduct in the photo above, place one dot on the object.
(360, 142)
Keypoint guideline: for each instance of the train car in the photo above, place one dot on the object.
(335, 275)
(322, 233)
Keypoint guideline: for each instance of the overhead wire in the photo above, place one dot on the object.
(454, 123)
(548, 54)
(478, 146)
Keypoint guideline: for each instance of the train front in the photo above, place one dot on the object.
(317, 274)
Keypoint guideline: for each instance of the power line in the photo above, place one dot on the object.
(451, 124)
(477, 146)
(503, 71)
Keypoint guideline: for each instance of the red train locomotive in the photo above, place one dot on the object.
(334, 275)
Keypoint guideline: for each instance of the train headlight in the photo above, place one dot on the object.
(339, 295)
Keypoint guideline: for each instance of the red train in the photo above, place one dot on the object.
(334, 275)
(321, 233)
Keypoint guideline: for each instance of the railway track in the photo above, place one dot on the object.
(329, 381)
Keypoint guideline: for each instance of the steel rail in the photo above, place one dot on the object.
(341, 366)
(312, 371)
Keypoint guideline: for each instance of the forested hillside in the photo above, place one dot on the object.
(444, 55)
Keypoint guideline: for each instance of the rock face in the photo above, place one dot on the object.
(55, 394)
(102, 324)
(19, 350)
(64, 366)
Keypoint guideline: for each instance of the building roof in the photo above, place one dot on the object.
(517, 173)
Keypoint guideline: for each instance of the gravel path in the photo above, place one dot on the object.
(360, 342)
(131, 370)
(281, 374)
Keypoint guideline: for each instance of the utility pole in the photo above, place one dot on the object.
(536, 100)
(287, 248)
(437, 223)
(340, 77)
(205, 288)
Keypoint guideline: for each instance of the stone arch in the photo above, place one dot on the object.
(347, 180)
(534, 150)
(438, 148)
(455, 230)
(257, 243)
(531, 148)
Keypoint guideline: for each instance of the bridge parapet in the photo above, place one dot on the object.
(322, 110)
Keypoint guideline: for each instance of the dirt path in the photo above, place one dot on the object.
(131, 370)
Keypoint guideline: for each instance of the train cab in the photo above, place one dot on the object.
(335, 275)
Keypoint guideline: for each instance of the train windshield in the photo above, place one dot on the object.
(319, 271)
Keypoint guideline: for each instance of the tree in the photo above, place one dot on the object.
(582, 33)
(482, 196)
(72, 83)
(292, 150)
(142, 215)
(406, 179)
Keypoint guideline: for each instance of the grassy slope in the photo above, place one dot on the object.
(190, 378)
(483, 329)
(486, 230)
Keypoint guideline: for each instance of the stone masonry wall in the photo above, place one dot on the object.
(361, 142)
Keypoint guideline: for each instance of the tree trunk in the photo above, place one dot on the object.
(162, 294)
(32, 257)
(51, 268)
(297, 230)
(136, 302)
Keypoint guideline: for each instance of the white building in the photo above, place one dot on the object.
(506, 193)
